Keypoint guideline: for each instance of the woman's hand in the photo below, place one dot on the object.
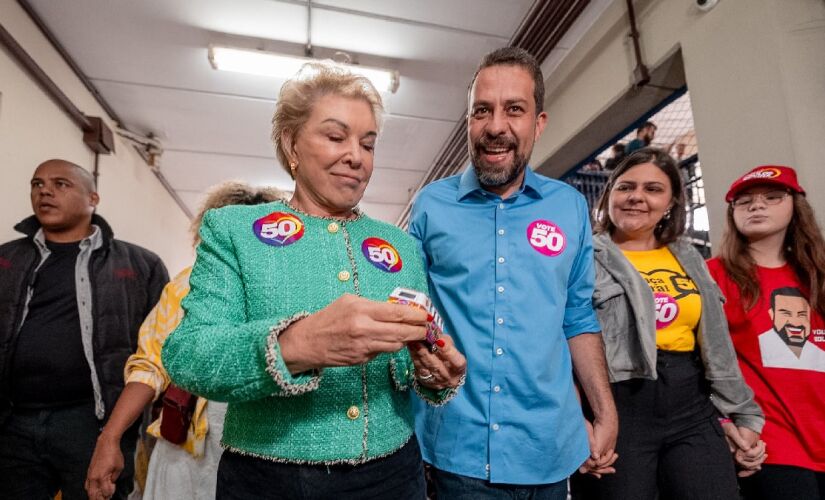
(750, 462)
(107, 459)
(441, 369)
(350, 331)
(748, 450)
(105, 467)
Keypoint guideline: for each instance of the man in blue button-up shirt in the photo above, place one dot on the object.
(510, 263)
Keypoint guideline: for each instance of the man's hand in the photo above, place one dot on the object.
(590, 367)
(602, 439)
(105, 468)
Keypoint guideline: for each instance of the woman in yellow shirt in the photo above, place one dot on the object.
(670, 359)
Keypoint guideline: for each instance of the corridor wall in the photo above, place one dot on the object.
(754, 69)
(33, 129)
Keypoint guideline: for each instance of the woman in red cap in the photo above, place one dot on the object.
(771, 269)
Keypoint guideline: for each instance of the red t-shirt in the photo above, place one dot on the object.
(781, 351)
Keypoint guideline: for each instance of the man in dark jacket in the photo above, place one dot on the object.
(71, 302)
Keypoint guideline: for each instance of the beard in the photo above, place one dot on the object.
(794, 340)
(491, 175)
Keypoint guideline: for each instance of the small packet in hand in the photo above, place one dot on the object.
(405, 296)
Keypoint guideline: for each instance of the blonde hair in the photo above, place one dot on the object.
(300, 93)
(231, 193)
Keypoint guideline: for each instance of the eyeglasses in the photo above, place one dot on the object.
(770, 198)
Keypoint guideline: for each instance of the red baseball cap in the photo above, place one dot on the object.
(766, 174)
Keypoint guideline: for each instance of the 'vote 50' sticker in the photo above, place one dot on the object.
(546, 238)
(381, 254)
(279, 229)
(666, 309)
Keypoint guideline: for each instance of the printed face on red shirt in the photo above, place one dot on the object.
(791, 319)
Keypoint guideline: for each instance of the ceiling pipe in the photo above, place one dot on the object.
(43, 81)
(38, 21)
(92, 127)
(641, 75)
(308, 51)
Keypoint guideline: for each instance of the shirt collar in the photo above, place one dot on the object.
(469, 184)
(94, 240)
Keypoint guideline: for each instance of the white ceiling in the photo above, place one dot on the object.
(148, 58)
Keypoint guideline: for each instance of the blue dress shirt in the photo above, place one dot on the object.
(513, 279)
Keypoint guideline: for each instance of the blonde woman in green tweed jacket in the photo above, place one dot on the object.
(287, 318)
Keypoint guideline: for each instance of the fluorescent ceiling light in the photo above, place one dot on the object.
(259, 62)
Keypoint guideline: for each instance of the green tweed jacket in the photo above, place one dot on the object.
(259, 269)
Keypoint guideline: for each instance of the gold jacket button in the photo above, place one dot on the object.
(343, 276)
(353, 413)
(333, 227)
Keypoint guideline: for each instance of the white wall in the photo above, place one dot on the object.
(756, 77)
(34, 129)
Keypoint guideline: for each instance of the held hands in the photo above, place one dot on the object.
(350, 331)
(105, 468)
(441, 369)
(748, 450)
(602, 438)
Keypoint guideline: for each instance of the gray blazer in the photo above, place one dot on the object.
(624, 304)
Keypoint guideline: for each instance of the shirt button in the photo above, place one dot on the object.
(333, 227)
(501, 260)
(343, 276)
(496, 389)
(501, 206)
(499, 351)
(500, 321)
(501, 232)
(500, 289)
(353, 412)
(495, 427)
(487, 467)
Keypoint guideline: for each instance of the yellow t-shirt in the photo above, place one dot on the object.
(678, 304)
